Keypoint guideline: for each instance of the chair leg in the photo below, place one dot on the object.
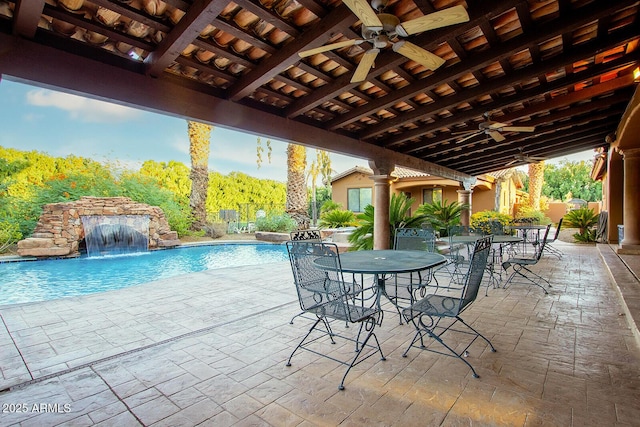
(370, 327)
(517, 269)
(297, 315)
(553, 251)
(304, 339)
(436, 337)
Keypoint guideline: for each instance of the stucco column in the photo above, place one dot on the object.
(630, 217)
(464, 196)
(614, 194)
(381, 190)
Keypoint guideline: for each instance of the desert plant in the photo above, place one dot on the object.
(442, 215)
(584, 219)
(276, 223)
(399, 207)
(337, 218)
(330, 205)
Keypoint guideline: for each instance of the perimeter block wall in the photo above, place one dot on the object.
(59, 230)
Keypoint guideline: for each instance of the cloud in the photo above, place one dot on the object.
(83, 109)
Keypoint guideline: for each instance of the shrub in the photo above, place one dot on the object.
(337, 218)
(9, 235)
(276, 224)
(442, 215)
(399, 207)
(330, 205)
(535, 215)
(583, 219)
(481, 219)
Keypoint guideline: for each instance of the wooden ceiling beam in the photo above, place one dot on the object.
(478, 61)
(198, 16)
(584, 51)
(501, 103)
(288, 54)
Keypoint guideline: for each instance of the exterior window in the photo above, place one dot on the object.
(358, 199)
(432, 195)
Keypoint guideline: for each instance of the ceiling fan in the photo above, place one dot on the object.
(384, 29)
(493, 130)
(525, 158)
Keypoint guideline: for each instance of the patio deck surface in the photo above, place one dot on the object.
(210, 349)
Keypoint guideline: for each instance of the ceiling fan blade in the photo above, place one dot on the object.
(439, 19)
(365, 65)
(512, 162)
(329, 47)
(468, 137)
(494, 125)
(418, 54)
(497, 136)
(365, 13)
(519, 128)
(464, 132)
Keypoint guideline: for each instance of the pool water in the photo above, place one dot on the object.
(43, 280)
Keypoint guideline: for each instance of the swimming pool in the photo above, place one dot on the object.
(43, 280)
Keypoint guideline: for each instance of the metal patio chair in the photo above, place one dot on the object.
(403, 287)
(305, 235)
(437, 314)
(458, 256)
(548, 247)
(324, 294)
(521, 265)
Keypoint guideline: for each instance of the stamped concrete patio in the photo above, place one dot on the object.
(210, 349)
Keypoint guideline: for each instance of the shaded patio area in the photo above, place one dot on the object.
(210, 349)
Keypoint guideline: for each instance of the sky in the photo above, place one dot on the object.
(61, 124)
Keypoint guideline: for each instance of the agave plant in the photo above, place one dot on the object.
(337, 218)
(399, 217)
(442, 215)
(584, 219)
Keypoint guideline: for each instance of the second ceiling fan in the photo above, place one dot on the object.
(384, 29)
(492, 129)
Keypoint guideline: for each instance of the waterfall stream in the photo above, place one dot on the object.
(115, 234)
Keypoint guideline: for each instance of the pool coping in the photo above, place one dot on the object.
(4, 259)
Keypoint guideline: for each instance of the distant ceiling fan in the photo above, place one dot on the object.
(384, 29)
(493, 130)
(525, 158)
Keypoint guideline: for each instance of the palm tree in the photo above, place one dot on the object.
(320, 166)
(296, 185)
(199, 134)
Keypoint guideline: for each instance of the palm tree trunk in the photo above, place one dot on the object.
(536, 180)
(199, 134)
(296, 185)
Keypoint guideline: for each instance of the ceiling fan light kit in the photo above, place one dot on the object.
(384, 29)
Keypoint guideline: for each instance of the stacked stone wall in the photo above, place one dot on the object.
(59, 230)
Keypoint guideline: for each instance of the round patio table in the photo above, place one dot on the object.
(380, 263)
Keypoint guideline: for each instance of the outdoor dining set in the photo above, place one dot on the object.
(428, 284)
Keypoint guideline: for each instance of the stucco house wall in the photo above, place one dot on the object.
(341, 185)
(414, 183)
